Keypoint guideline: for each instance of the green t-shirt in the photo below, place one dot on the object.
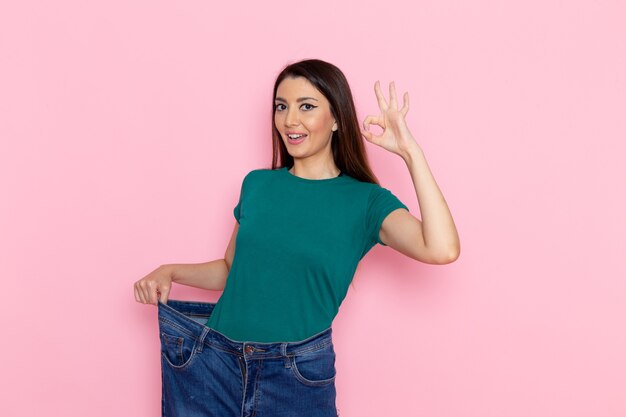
(297, 249)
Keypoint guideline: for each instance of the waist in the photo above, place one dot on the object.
(191, 316)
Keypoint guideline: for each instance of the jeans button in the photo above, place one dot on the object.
(249, 349)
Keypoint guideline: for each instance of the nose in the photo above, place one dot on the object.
(291, 119)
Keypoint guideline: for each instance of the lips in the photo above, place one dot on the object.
(300, 136)
(296, 141)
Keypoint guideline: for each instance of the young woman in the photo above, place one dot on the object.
(302, 226)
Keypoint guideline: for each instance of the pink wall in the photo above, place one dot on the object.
(126, 129)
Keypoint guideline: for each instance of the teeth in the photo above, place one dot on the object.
(295, 136)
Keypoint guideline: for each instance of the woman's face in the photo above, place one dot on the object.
(300, 109)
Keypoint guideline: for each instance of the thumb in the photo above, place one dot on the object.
(367, 135)
(164, 293)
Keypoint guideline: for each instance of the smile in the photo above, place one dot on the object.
(296, 139)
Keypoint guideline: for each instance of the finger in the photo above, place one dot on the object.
(393, 101)
(165, 292)
(136, 293)
(377, 120)
(370, 137)
(146, 290)
(142, 293)
(405, 107)
(154, 296)
(379, 96)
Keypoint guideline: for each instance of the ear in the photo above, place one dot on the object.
(335, 127)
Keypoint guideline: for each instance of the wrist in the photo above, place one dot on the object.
(413, 152)
(169, 270)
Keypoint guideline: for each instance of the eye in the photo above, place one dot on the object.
(310, 105)
(277, 105)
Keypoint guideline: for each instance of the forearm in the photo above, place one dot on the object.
(438, 229)
(208, 275)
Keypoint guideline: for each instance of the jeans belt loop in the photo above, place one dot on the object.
(283, 351)
(205, 331)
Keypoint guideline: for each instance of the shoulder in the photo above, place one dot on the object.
(383, 199)
(258, 177)
(373, 191)
(259, 173)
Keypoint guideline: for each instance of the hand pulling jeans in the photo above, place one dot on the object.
(206, 374)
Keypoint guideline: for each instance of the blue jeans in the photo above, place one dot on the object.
(205, 374)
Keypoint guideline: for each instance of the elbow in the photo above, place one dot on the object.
(453, 255)
(449, 256)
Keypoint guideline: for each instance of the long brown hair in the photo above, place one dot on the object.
(347, 143)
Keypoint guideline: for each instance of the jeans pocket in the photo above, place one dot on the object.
(177, 348)
(315, 367)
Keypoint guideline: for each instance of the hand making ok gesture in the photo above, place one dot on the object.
(395, 137)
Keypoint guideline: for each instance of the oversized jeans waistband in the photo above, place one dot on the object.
(181, 314)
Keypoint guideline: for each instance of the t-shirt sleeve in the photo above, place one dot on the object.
(381, 202)
(237, 209)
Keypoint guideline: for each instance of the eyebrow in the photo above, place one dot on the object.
(298, 100)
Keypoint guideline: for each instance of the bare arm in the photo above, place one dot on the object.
(207, 275)
(210, 275)
(434, 239)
